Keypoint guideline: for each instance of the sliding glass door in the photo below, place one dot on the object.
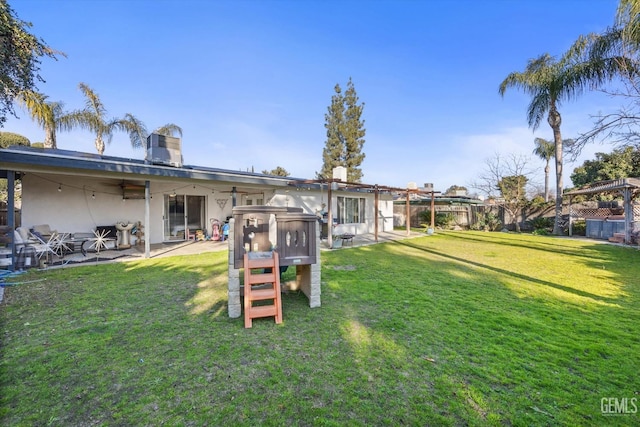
(183, 215)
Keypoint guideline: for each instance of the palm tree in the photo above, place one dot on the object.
(49, 115)
(93, 117)
(550, 82)
(546, 150)
(619, 45)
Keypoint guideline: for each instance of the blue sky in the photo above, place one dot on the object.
(250, 81)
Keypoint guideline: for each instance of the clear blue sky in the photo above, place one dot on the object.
(250, 81)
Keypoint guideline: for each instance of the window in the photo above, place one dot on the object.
(251, 202)
(351, 210)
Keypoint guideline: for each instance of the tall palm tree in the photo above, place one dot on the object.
(546, 150)
(549, 82)
(50, 116)
(94, 118)
(619, 45)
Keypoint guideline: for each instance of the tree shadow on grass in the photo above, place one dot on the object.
(143, 342)
(542, 243)
(578, 292)
(479, 335)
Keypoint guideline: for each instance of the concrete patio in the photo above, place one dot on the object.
(199, 247)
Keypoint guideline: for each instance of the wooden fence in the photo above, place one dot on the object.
(3, 217)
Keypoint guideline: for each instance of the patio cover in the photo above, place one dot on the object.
(629, 187)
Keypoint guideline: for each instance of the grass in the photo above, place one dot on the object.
(460, 328)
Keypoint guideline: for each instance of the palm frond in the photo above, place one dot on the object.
(537, 109)
(92, 102)
(169, 129)
(136, 129)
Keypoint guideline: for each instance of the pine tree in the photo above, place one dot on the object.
(353, 134)
(345, 134)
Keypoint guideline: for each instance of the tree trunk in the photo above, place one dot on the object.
(546, 182)
(49, 138)
(555, 120)
(99, 145)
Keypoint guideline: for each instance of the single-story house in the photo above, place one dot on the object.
(76, 192)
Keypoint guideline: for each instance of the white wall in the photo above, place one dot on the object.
(74, 209)
(312, 201)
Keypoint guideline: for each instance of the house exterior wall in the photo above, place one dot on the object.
(86, 202)
(74, 209)
(314, 202)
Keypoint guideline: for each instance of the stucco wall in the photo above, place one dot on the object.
(312, 202)
(75, 209)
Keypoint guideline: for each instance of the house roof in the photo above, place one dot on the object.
(32, 159)
(606, 186)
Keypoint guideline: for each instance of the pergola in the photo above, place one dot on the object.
(335, 183)
(628, 187)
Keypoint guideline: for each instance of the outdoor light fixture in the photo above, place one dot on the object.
(93, 195)
(59, 187)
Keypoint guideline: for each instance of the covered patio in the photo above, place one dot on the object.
(627, 217)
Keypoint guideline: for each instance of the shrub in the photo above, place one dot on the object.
(542, 223)
(579, 228)
(442, 219)
(488, 221)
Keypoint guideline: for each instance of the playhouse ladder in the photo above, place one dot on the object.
(267, 287)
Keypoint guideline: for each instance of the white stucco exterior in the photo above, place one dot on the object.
(74, 203)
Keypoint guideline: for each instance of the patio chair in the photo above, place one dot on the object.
(25, 252)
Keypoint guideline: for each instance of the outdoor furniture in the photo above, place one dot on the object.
(61, 244)
(43, 247)
(347, 237)
(26, 255)
(43, 230)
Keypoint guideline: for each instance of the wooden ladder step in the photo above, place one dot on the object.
(255, 279)
(264, 311)
(262, 294)
(260, 263)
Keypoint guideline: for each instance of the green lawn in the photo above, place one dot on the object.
(460, 328)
